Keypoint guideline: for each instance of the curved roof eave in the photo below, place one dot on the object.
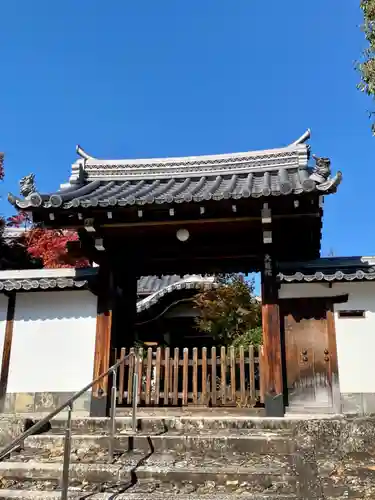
(190, 283)
(328, 269)
(59, 279)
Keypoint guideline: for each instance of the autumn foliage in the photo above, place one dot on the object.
(45, 247)
(50, 247)
(230, 313)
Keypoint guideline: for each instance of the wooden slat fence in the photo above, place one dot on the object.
(207, 377)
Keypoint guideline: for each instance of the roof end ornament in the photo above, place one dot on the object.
(27, 185)
(321, 171)
(82, 153)
(304, 137)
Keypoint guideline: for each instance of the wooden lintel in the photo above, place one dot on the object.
(287, 304)
(7, 348)
(204, 257)
(77, 224)
(180, 222)
(203, 221)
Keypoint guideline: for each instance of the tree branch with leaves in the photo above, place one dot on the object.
(230, 313)
(367, 65)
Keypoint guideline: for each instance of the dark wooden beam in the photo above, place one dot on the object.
(190, 222)
(100, 392)
(290, 305)
(272, 362)
(126, 304)
(7, 349)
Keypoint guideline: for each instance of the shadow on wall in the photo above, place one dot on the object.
(52, 305)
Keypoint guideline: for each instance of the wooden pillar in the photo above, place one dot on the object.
(126, 308)
(100, 392)
(7, 349)
(272, 365)
(333, 369)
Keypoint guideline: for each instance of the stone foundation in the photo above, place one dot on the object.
(44, 402)
(357, 403)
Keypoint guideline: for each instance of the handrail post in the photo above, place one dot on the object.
(68, 404)
(112, 423)
(135, 393)
(67, 450)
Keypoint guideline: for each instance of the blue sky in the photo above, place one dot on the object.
(171, 78)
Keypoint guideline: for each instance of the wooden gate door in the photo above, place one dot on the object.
(308, 356)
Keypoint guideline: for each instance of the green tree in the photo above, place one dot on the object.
(230, 313)
(367, 64)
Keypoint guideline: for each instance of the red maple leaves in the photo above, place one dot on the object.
(19, 220)
(50, 246)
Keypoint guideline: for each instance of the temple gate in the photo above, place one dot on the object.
(240, 212)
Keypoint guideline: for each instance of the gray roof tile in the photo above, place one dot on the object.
(197, 189)
(255, 174)
(150, 288)
(328, 269)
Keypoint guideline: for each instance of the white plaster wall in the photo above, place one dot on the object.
(355, 336)
(3, 318)
(53, 341)
(356, 340)
(303, 290)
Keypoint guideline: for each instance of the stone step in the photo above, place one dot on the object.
(56, 495)
(172, 459)
(352, 476)
(185, 424)
(190, 411)
(301, 409)
(232, 479)
(261, 442)
(159, 472)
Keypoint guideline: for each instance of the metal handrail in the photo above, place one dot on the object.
(68, 431)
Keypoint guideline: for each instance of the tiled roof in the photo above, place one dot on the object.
(45, 279)
(186, 283)
(11, 233)
(152, 288)
(151, 284)
(41, 284)
(107, 183)
(329, 270)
